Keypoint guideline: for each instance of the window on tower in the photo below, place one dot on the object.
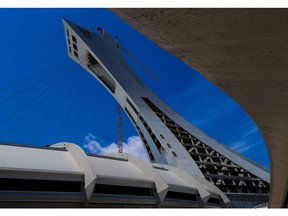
(75, 53)
(174, 154)
(101, 73)
(75, 47)
(74, 39)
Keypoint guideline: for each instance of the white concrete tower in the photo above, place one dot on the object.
(167, 137)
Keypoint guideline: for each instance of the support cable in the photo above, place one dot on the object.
(80, 112)
(34, 75)
(63, 100)
(131, 56)
(52, 113)
(120, 150)
(27, 88)
(140, 64)
(68, 114)
(44, 99)
(30, 101)
(50, 117)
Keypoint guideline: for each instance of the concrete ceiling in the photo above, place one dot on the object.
(242, 51)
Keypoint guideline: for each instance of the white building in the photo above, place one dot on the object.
(187, 169)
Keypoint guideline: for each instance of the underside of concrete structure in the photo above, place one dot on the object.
(242, 51)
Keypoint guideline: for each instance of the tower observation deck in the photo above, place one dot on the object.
(168, 138)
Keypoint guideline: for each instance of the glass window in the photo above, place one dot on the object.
(75, 47)
(74, 39)
(75, 53)
(174, 154)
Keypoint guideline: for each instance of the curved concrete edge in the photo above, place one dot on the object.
(81, 160)
(259, 69)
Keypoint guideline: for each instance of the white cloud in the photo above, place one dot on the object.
(91, 144)
(242, 146)
(133, 146)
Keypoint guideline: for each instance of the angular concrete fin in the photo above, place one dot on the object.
(203, 192)
(213, 189)
(81, 160)
(147, 169)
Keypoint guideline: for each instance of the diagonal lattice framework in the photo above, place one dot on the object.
(236, 182)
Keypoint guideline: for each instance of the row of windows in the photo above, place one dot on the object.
(150, 154)
(75, 48)
(152, 135)
(132, 106)
(129, 114)
(138, 192)
(156, 141)
(12, 184)
(138, 129)
(155, 109)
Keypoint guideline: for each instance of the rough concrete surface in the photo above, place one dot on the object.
(242, 51)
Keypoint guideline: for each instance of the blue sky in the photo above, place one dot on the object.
(46, 98)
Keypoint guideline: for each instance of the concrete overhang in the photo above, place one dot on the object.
(242, 51)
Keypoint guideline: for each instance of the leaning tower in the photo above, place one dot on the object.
(168, 138)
